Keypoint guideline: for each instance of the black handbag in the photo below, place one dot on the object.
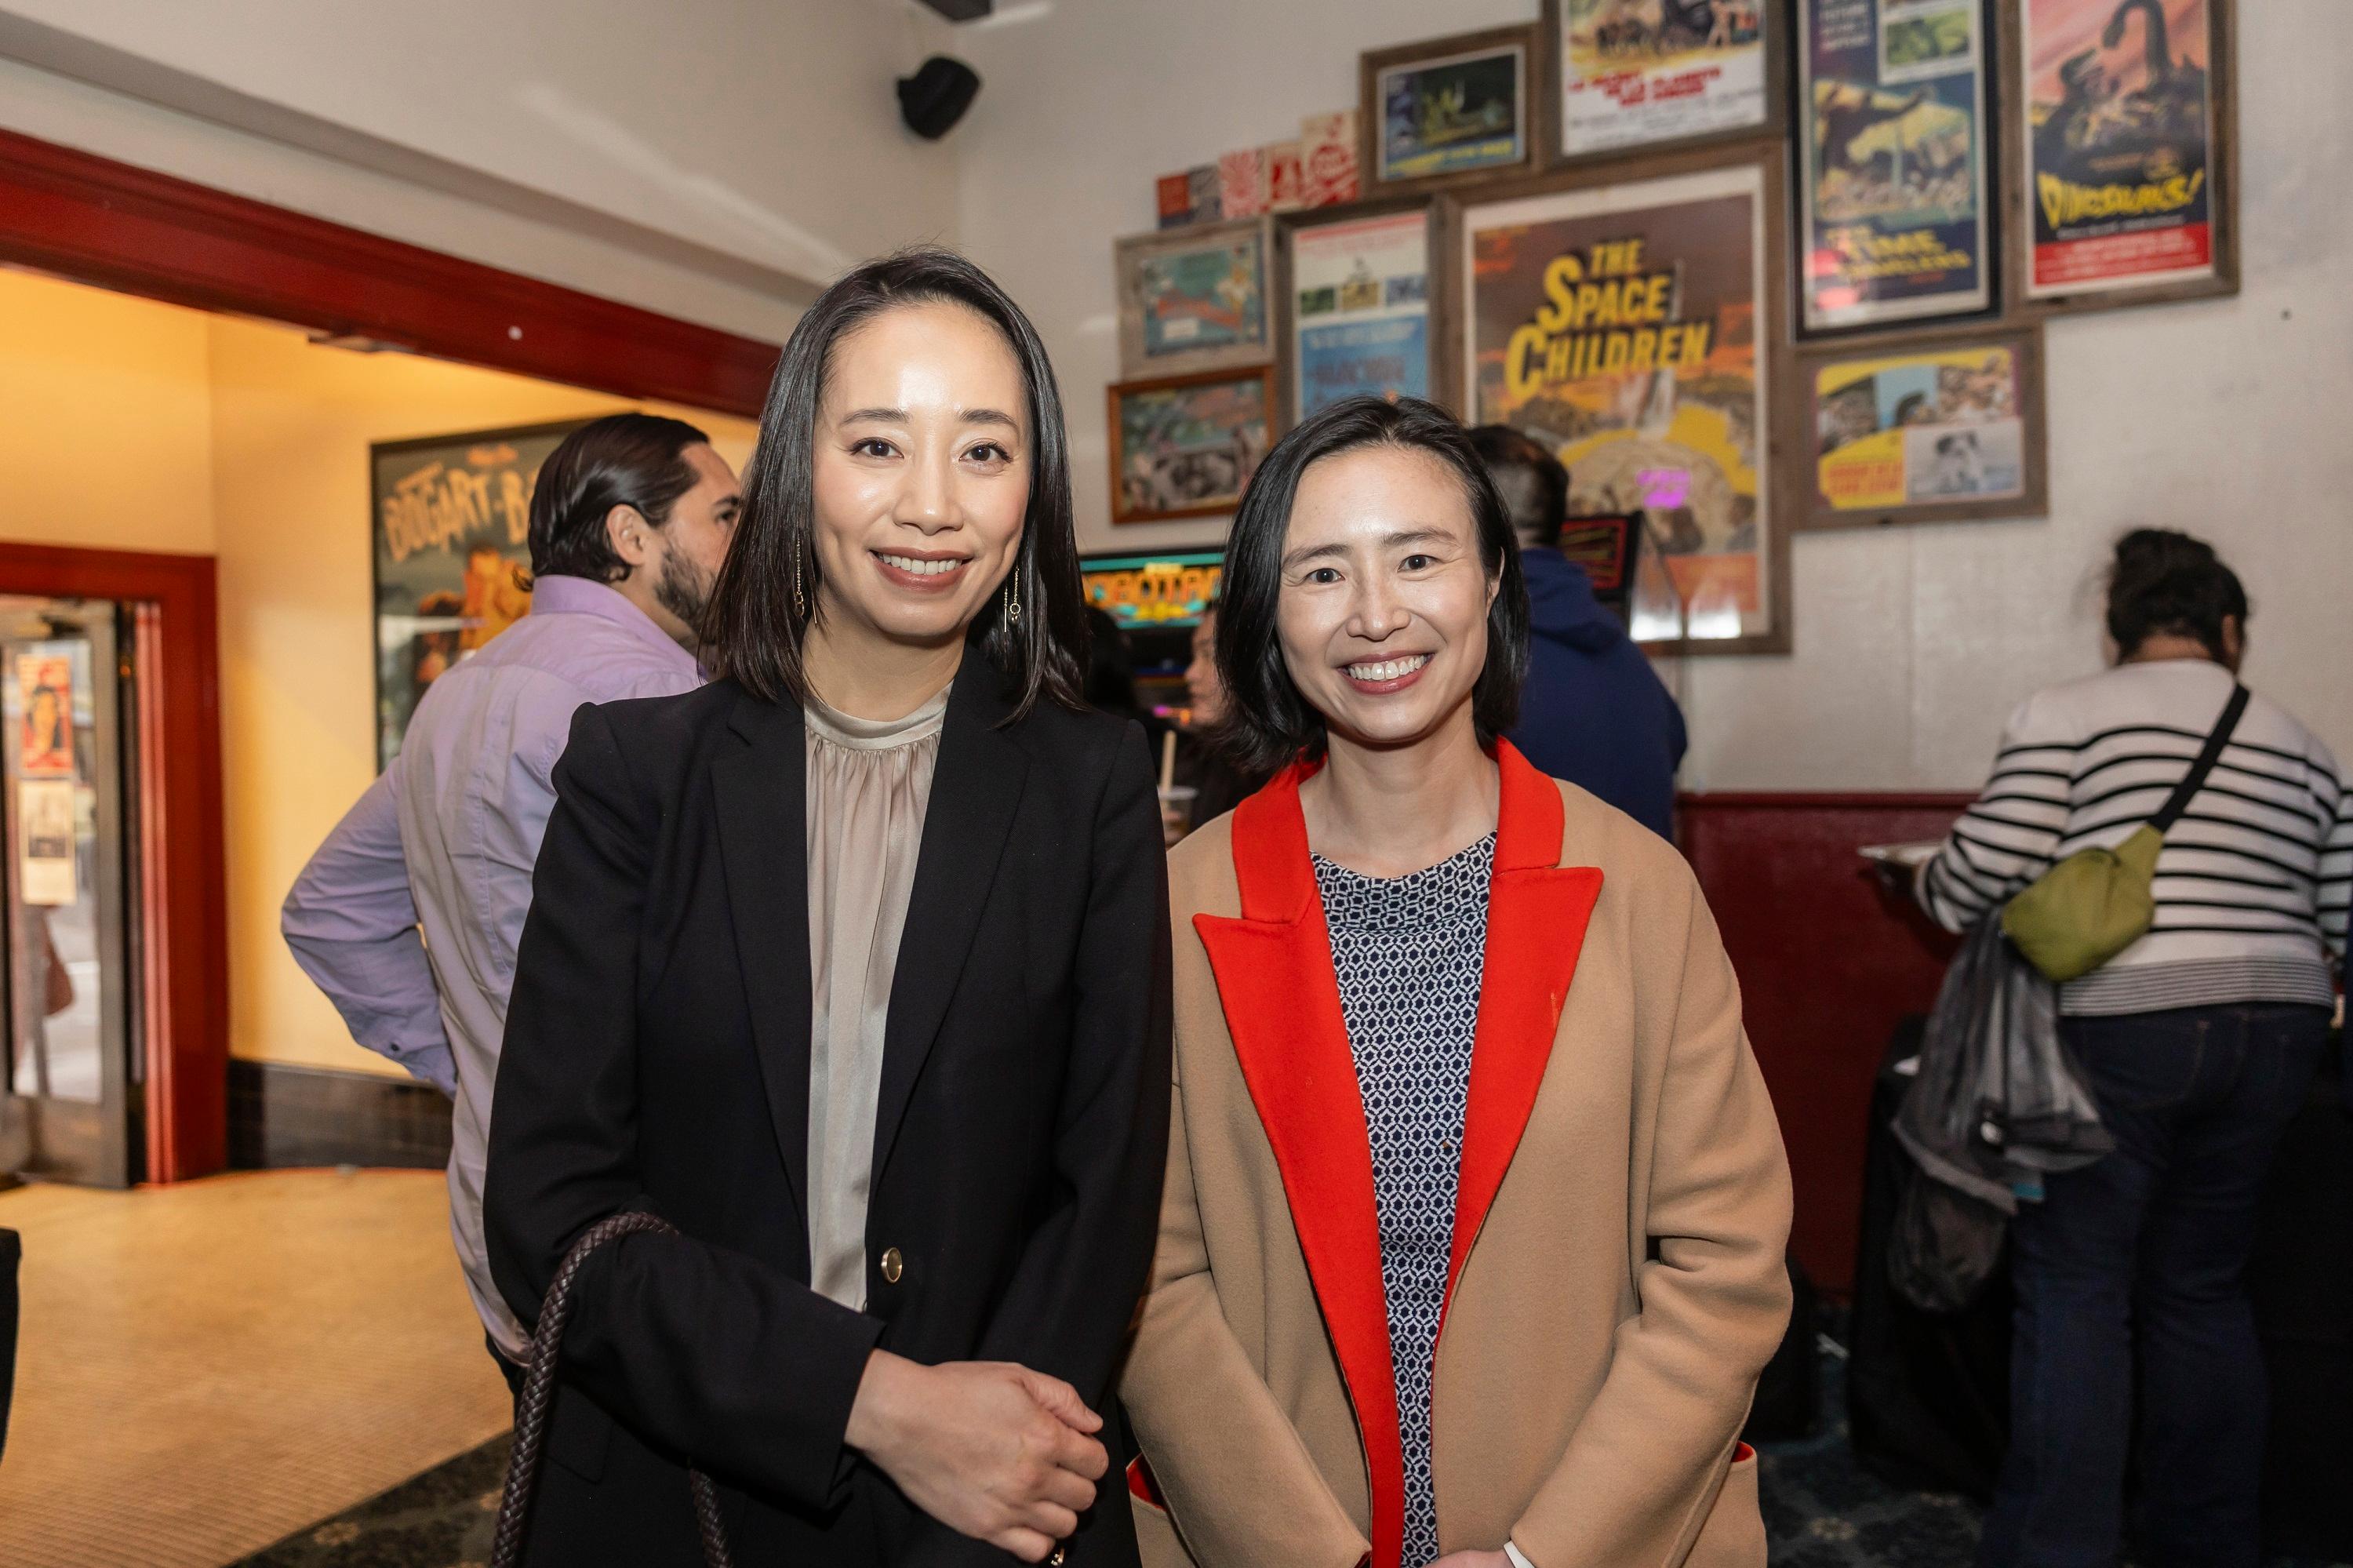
(538, 1398)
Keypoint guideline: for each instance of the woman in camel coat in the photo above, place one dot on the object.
(1471, 1248)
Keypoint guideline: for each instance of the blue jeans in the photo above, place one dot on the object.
(2142, 1256)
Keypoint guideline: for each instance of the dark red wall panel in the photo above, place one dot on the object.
(1828, 963)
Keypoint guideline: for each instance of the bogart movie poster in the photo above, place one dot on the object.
(1637, 72)
(1619, 325)
(452, 525)
(2119, 143)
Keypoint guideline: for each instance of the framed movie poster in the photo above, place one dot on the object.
(1194, 300)
(1650, 74)
(2124, 180)
(1185, 446)
(1448, 108)
(1926, 430)
(1630, 323)
(1353, 305)
(450, 517)
(1892, 166)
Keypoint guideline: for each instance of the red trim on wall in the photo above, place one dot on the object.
(185, 904)
(1828, 963)
(92, 218)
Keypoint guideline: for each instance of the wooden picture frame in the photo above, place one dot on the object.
(1293, 228)
(1175, 283)
(1901, 383)
(2024, 295)
(1889, 232)
(1531, 128)
(1756, 170)
(1766, 85)
(1209, 479)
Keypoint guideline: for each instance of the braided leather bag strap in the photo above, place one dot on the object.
(539, 1396)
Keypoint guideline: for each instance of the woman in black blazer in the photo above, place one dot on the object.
(888, 1349)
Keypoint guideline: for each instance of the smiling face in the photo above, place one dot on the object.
(1382, 614)
(920, 475)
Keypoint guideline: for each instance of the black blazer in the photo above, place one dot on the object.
(656, 1057)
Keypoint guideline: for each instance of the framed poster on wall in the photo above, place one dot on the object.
(1925, 430)
(1353, 305)
(1892, 196)
(1646, 75)
(1194, 299)
(1630, 322)
(1448, 108)
(450, 521)
(1186, 445)
(2121, 153)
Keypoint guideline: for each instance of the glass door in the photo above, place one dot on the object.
(69, 1104)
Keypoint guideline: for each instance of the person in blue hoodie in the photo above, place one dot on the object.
(1593, 711)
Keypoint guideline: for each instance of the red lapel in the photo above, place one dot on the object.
(1282, 1003)
(1282, 1000)
(1537, 915)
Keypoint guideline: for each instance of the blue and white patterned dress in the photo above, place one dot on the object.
(1407, 951)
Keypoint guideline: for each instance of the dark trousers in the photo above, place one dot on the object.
(2139, 1260)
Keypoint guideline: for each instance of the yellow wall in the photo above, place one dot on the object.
(136, 426)
(105, 430)
(291, 424)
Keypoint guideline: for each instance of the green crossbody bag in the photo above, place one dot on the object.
(2097, 902)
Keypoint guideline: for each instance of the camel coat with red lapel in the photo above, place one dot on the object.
(1617, 1280)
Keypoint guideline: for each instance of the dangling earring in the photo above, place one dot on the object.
(1013, 597)
(800, 604)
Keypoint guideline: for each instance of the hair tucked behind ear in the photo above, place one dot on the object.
(2164, 582)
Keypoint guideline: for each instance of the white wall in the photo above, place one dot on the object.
(2228, 419)
(1082, 108)
(760, 131)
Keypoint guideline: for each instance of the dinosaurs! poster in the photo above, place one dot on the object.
(1634, 72)
(1894, 166)
(1620, 325)
(2119, 143)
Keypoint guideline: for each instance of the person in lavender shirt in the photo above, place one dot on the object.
(408, 915)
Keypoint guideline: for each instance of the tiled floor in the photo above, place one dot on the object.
(205, 1368)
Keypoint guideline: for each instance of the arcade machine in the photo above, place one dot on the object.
(1157, 600)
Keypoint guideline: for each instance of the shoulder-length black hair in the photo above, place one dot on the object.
(751, 630)
(1268, 723)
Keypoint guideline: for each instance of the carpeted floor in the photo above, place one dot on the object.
(1821, 1511)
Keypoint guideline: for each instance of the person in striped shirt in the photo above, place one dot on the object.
(2198, 1041)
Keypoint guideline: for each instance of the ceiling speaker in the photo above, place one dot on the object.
(933, 99)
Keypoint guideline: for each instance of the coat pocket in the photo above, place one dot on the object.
(579, 1434)
(1734, 1535)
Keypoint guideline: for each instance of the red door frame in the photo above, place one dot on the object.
(183, 910)
(97, 221)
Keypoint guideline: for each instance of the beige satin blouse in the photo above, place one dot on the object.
(870, 782)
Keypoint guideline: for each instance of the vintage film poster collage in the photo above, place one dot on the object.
(1750, 266)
